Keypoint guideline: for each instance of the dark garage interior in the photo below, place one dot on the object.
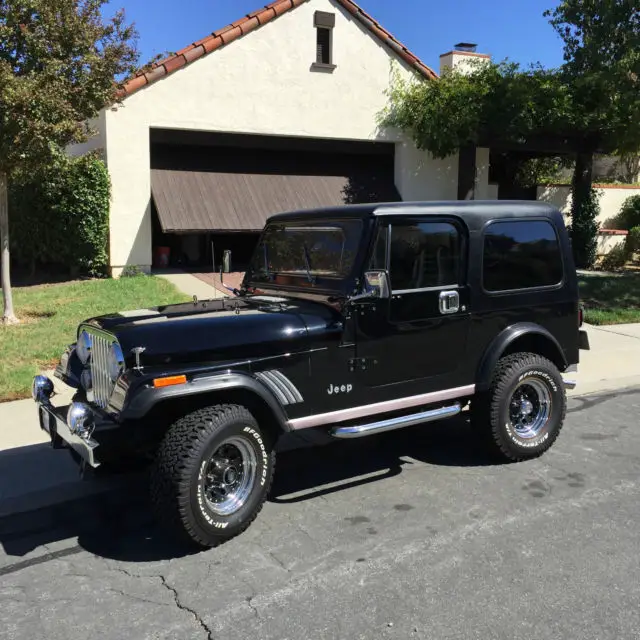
(220, 188)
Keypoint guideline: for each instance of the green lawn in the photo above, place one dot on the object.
(50, 315)
(611, 299)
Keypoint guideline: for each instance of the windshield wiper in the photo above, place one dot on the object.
(307, 263)
(265, 254)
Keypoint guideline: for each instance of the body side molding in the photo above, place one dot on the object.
(344, 415)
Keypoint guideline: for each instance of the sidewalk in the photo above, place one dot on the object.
(190, 284)
(32, 475)
(613, 361)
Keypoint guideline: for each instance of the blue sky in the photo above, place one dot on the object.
(514, 29)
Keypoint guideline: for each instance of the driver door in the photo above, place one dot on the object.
(413, 342)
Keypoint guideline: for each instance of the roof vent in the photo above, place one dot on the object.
(465, 46)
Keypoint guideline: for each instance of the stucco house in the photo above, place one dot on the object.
(276, 111)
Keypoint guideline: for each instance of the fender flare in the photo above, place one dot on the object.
(144, 400)
(501, 343)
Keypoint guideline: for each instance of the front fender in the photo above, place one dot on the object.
(504, 340)
(143, 400)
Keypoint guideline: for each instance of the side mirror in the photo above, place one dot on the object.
(376, 286)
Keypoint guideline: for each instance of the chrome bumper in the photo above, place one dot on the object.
(570, 383)
(53, 420)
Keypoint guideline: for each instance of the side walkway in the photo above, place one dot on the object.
(613, 361)
(191, 284)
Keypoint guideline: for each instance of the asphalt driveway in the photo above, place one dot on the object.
(404, 535)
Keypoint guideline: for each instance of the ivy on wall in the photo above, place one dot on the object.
(61, 216)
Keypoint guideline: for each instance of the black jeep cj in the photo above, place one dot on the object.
(357, 320)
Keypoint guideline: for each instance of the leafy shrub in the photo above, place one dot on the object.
(632, 244)
(615, 259)
(584, 230)
(629, 216)
(60, 216)
(132, 271)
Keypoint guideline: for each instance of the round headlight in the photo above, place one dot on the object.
(41, 388)
(83, 347)
(115, 361)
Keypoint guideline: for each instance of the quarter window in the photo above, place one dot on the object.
(424, 255)
(379, 255)
(521, 254)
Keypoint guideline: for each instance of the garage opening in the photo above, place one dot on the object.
(217, 190)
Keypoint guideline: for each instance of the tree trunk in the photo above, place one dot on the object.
(582, 177)
(8, 316)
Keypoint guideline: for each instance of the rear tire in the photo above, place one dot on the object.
(212, 474)
(521, 415)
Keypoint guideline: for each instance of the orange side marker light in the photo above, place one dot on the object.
(169, 381)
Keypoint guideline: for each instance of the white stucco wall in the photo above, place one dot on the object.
(420, 176)
(607, 242)
(612, 198)
(462, 62)
(261, 83)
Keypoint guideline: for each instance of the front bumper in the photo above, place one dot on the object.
(53, 420)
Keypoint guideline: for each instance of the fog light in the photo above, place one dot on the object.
(41, 388)
(80, 420)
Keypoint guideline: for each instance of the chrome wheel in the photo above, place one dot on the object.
(530, 408)
(230, 476)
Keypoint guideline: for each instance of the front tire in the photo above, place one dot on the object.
(523, 412)
(212, 474)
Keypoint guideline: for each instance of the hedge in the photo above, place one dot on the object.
(60, 216)
(629, 216)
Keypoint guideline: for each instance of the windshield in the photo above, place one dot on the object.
(308, 251)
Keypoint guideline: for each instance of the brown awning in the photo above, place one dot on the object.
(197, 201)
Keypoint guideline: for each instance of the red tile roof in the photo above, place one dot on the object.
(253, 21)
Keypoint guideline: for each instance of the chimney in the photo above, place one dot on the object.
(463, 58)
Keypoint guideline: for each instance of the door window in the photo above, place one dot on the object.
(424, 255)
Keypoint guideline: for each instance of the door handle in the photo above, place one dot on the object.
(449, 302)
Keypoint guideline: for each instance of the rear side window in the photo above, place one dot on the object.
(521, 254)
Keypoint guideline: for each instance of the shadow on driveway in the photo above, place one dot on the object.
(117, 523)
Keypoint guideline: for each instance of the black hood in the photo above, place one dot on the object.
(210, 331)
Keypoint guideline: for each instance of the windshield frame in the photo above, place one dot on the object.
(301, 281)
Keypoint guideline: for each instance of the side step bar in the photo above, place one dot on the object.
(359, 431)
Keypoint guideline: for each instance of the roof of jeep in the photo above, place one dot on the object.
(480, 210)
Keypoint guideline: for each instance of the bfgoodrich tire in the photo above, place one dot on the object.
(212, 474)
(523, 412)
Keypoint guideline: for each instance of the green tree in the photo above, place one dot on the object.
(59, 65)
(592, 103)
(602, 68)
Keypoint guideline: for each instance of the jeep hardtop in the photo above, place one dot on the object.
(356, 320)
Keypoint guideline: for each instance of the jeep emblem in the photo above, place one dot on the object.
(345, 388)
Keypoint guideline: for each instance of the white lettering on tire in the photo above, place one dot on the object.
(265, 457)
(527, 444)
(540, 374)
(201, 502)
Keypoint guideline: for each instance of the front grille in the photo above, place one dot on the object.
(102, 386)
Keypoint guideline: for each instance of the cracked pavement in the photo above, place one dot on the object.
(403, 535)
